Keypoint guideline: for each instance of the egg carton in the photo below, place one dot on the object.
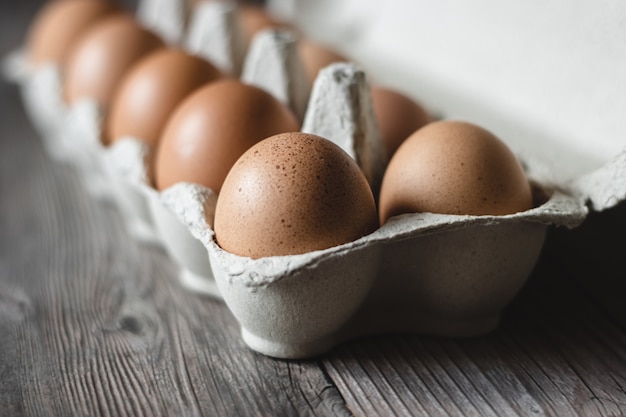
(429, 273)
(425, 273)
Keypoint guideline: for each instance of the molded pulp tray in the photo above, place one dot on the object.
(426, 273)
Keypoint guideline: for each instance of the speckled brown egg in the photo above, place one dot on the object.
(316, 56)
(213, 127)
(454, 167)
(59, 24)
(293, 193)
(150, 91)
(98, 61)
(398, 116)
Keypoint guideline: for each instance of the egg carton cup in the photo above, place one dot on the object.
(42, 98)
(57, 124)
(170, 211)
(125, 174)
(154, 217)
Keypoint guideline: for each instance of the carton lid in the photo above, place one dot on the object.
(546, 79)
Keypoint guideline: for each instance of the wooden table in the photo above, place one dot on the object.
(93, 323)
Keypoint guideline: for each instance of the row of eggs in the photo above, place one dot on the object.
(280, 191)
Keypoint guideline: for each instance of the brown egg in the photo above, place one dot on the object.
(454, 167)
(212, 128)
(59, 24)
(150, 91)
(316, 56)
(398, 116)
(293, 193)
(102, 56)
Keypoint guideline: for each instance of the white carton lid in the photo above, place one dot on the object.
(546, 77)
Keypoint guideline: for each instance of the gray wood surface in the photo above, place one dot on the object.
(93, 323)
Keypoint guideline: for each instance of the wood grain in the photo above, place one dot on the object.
(93, 323)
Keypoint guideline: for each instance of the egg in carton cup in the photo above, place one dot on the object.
(70, 131)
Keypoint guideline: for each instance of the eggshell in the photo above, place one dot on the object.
(98, 61)
(293, 193)
(59, 24)
(454, 167)
(398, 116)
(316, 56)
(213, 127)
(151, 90)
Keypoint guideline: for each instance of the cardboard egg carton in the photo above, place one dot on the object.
(424, 273)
